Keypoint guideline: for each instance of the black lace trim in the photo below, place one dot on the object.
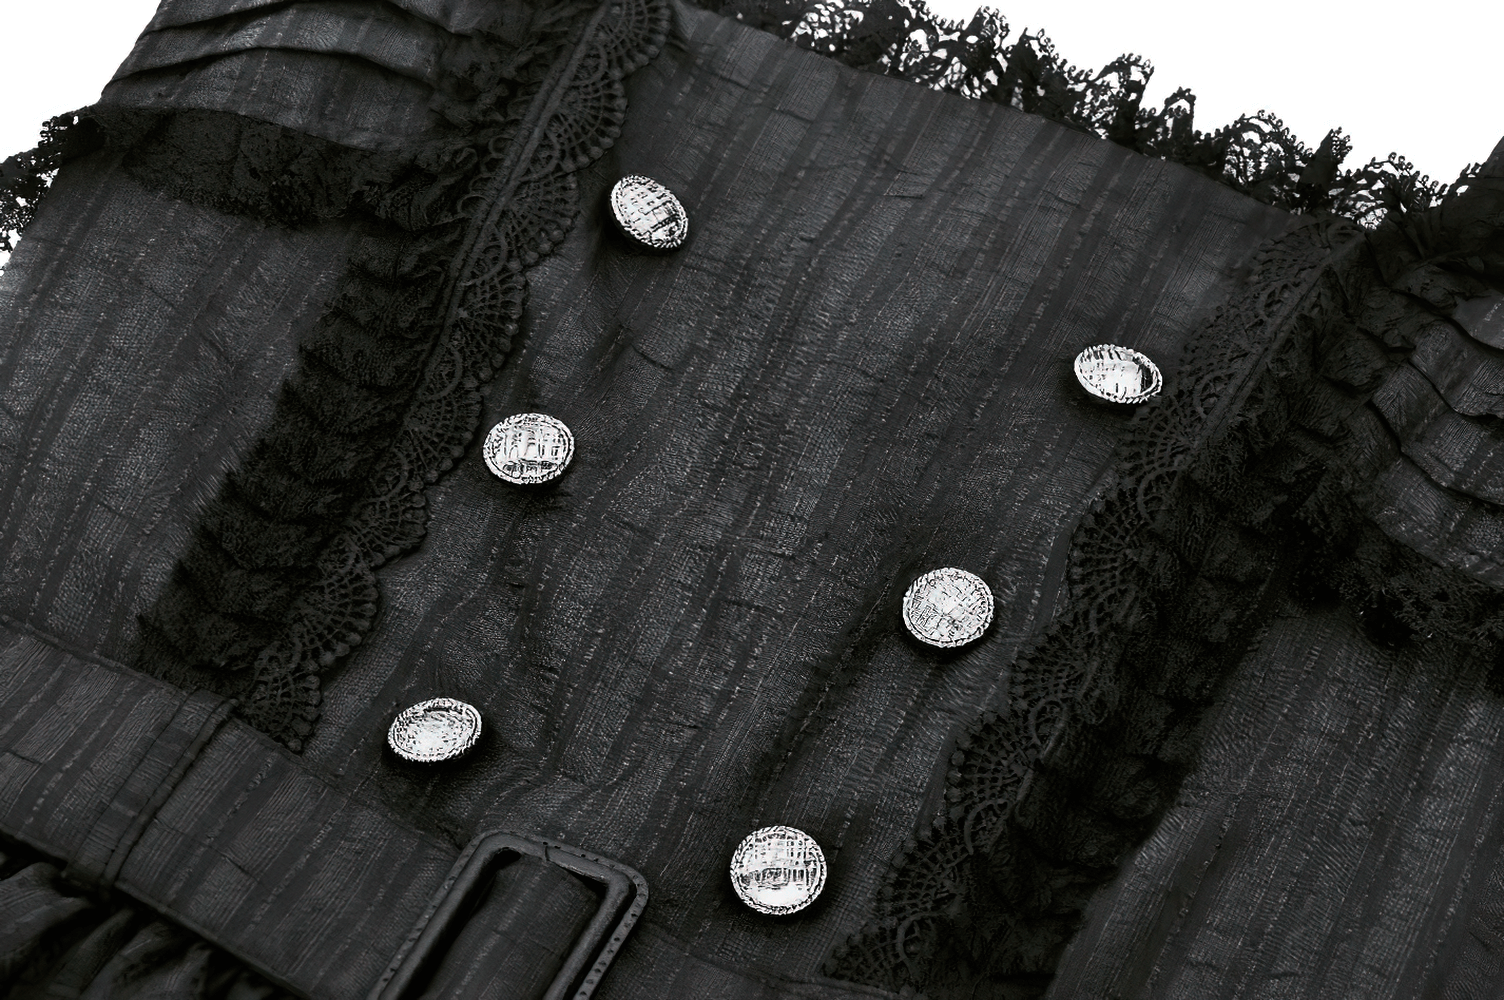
(1243, 465)
(1256, 154)
(278, 583)
(26, 177)
(1242, 485)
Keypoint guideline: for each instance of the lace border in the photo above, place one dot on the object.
(1241, 485)
(1256, 155)
(279, 583)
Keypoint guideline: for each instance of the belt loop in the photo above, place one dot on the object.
(135, 803)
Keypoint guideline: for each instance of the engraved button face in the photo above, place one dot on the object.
(947, 607)
(648, 212)
(529, 448)
(1117, 373)
(434, 730)
(778, 870)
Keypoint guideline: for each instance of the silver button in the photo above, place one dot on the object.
(649, 213)
(434, 730)
(1117, 373)
(947, 607)
(778, 870)
(529, 448)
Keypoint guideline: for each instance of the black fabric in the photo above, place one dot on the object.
(858, 369)
(1256, 155)
(278, 585)
(25, 177)
(56, 941)
(1254, 476)
(150, 793)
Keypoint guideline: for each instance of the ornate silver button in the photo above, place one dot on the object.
(1117, 373)
(778, 870)
(434, 730)
(947, 607)
(529, 448)
(648, 212)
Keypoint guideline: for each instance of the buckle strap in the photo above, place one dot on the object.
(209, 822)
(623, 894)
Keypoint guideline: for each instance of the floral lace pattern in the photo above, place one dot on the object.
(279, 582)
(993, 888)
(25, 177)
(1256, 154)
(1242, 484)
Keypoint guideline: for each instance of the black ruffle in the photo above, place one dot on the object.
(25, 177)
(1256, 155)
(1255, 479)
(58, 941)
(278, 583)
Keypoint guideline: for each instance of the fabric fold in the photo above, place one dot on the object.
(55, 942)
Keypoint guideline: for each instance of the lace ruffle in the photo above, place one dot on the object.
(279, 583)
(25, 177)
(1251, 479)
(1256, 154)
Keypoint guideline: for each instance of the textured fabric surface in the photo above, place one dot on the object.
(55, 942)
(283, 64)
(521, 932)
(1344, 821)
(1256, 154)
(858, 369)
(278, 584)
(133, 385)
(309, 884)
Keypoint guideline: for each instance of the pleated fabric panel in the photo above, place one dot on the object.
(364, 75)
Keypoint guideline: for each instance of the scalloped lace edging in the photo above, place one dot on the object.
(1256, 155)
(1246, 484)
(279, 582)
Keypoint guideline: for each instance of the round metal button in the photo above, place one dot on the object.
(1118, 374)
(947, 607)
(648, 212)
(529, 448)
(434, 730)
(778, 870)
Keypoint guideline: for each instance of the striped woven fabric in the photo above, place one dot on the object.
(857, 370)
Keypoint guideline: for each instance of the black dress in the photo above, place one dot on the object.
(1231, 733)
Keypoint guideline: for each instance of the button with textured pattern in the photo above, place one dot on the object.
(648, 213)
(434, 730)
(778, 870)
(947, 607)
(1117, 374)
(529, 448)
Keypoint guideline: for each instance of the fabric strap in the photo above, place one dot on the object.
(158, 793)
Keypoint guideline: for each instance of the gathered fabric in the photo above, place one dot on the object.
(58, 942)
